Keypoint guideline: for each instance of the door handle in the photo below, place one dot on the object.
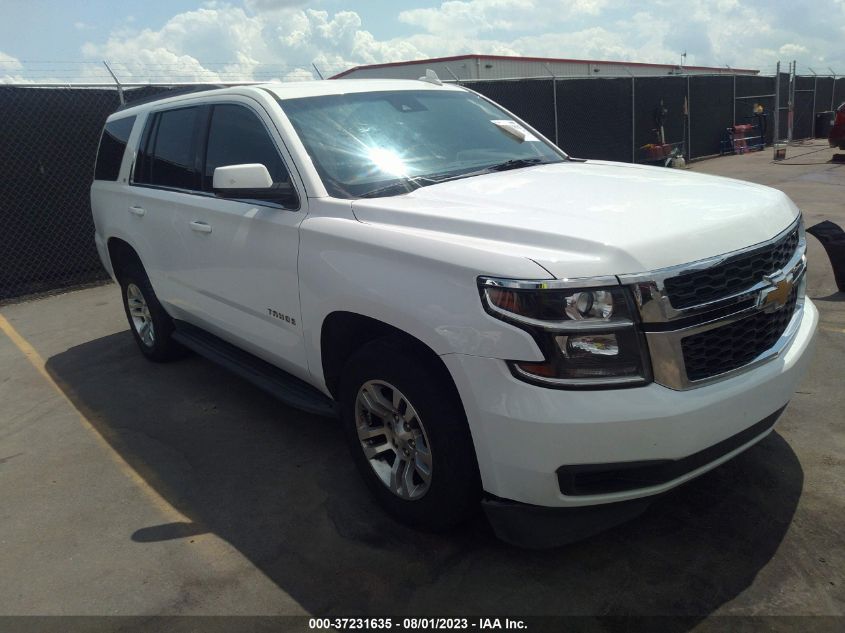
(139, 211)
(200, 227)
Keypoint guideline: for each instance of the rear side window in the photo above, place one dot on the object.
(168, 156)
(112, 146)
(237, 136)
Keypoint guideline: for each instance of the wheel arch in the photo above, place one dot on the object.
(343, 333)
(122, 255)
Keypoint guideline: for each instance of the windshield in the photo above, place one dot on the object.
(387, 143)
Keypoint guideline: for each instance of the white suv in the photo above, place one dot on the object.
(495, 322)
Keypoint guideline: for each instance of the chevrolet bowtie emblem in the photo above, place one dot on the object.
(775, 297)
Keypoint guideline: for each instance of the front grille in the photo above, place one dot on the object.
(731, 277)
(731, 346)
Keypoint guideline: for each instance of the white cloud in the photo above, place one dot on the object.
(471, 17)
(9, 62)
(280, 39)
(8, 67)
(282, 43)
(272, 5)
(792, 50)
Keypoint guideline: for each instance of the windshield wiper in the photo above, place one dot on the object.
(411, 183)
(514, 163)
(406, 184)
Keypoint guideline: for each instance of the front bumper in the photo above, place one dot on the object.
(540, 527)
(524, 434)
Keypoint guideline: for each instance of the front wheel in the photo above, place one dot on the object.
(408, 435)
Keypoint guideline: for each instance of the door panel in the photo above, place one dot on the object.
(242, 277)
(164, 247)
(153, 210)
(240, 259)
(228, 266)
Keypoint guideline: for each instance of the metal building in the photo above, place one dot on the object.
(469, 67)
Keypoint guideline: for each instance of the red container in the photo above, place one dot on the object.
(658, 152)
(836, 137)
(740, 144)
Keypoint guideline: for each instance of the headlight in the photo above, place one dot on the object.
(587, 335)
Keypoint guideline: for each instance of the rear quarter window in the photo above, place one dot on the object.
(112, 146)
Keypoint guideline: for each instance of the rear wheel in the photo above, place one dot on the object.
(150, 325)
(408, 435)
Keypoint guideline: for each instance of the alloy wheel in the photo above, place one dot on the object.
(393, 439)
(139, 312)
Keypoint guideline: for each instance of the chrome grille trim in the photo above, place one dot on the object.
(667, 355)
(652, 297)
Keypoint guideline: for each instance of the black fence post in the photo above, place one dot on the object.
(633, 119)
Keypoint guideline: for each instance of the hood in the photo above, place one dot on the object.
(590, 218)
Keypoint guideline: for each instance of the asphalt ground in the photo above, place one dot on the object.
(129, 488)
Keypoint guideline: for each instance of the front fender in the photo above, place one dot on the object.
(421, 282)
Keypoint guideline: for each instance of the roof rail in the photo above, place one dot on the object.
(166, 94)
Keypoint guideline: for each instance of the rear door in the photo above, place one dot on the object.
(166, 183)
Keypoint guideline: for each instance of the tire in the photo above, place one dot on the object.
(154, 342)
(452, 492)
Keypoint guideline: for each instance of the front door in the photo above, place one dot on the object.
(233, 264)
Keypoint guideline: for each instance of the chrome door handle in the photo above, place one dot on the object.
(139, 211)
(200, 227)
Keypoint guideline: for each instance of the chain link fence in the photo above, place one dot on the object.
(48, 143)
(619, 118)
(49, 137)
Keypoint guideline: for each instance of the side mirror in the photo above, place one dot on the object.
(251, 180)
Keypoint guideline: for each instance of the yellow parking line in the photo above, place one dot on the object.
(38, 363)
(827, 328)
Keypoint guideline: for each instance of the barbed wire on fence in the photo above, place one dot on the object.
(189, 70)
(13, 71)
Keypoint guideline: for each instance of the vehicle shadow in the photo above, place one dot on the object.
(836, 296)
(279, 486)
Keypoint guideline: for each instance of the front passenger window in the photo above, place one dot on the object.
(237, 136)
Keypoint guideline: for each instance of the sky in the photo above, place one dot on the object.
(195, 40)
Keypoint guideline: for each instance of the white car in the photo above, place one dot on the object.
(496, 324)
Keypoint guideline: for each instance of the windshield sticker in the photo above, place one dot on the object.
(514, 129)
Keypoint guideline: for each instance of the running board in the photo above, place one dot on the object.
(278, 383)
